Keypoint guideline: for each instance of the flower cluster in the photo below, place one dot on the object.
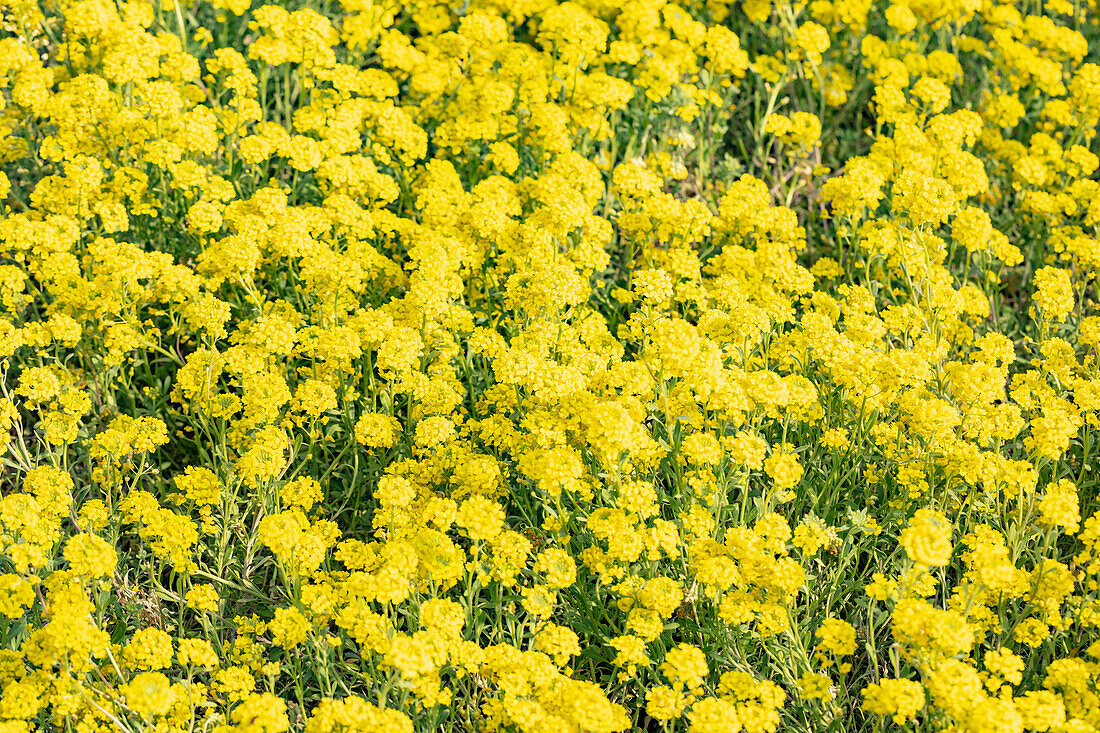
(549, 366)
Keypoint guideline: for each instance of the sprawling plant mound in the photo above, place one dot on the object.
(549, 368)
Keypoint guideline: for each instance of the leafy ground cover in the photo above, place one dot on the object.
(544, 367)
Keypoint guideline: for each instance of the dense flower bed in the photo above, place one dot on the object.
(549, 367)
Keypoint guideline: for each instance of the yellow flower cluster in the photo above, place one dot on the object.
(549, 367)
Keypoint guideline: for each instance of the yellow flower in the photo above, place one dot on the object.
(377, 431)
(200, 485)
(202, 598)
(261, 714)
(303, 492)
(714, 715)
(149, 649)
(927, 539)
(149, 694)
(837, 637)
(288, 628)
(90, 556)
(558, 642)
(538, 601)
(196, 652)
(1053, 295)
(1060, 506)
(631, 653)
(665, 703)
(15, 593)
(234, 683)
(783, 468)
(481, 518)
(653, 287)
(557, 568)
(1005, 665)
(815, 686)
(93, 515)
(900, 699)
(685, 666)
